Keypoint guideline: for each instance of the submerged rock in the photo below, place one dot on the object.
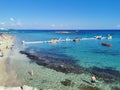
(115, 88)
(68, 65)
(67, 82)
(107, 74)
(65, 65)
(88, 87)
(109, 80)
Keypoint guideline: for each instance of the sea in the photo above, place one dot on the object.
(89, 54)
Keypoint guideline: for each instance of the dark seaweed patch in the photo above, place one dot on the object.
(53, 53)
(109, 75)
(115, 88)
(67, 82)
(88, 87)
(66, 65)
(88, 82)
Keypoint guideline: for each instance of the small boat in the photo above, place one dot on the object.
(76, 39)
(106, 44)
(98, 37)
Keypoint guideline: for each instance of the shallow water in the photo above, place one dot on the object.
(88, 52)
(85, 53)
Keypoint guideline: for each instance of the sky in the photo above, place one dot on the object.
(60, 14)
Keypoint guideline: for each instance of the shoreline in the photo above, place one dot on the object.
(8, 76)
(46, 78)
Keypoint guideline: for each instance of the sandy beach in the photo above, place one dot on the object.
(7, 75)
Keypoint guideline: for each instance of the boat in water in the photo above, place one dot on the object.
(106, 44)
(76, 39)
(98, 37)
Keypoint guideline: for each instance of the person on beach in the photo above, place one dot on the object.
(7, 47)
(1, 53)
(93, 79)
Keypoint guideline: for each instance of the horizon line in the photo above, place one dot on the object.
(58, 29)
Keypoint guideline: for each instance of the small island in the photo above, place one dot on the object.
(64, 32)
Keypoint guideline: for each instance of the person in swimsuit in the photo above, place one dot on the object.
(93, 79)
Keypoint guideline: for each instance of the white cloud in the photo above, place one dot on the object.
(19, 23)
(11, 23)
(2, 23)
(12, 19)
(53, 25)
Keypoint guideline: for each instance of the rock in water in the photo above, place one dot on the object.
(67, 82)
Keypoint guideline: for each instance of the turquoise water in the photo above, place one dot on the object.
(103, 61)
(87, 53)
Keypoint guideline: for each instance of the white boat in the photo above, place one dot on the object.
(99, 37)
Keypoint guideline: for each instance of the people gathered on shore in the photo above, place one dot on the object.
(6, 42)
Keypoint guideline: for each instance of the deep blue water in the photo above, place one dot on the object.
(87, 53)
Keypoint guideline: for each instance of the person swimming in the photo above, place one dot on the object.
(31, 72)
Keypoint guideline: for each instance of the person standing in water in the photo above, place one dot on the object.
(93, 79)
